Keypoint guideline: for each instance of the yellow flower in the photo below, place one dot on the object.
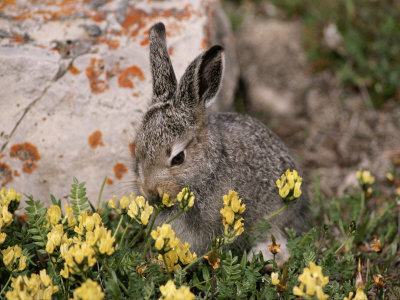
(167, 200)
(360, 295)
(289, 185)
(212, 258)
(78, 258)
(54, 238)
(2, 237)
(376, 245)
(53, 215)
(365, 179)
(35, 287)
(89, 290)
(14, 259)
(68, 214)
(169, 292)
(164, 238)
(185, 198)
(124, 201)
(171, 260)
(11, 199)
(140, 210)
(184, 254)
(231, 219)
(312, 282)
(5, 216)
(275, 278)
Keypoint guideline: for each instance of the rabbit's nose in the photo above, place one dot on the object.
(151, 195)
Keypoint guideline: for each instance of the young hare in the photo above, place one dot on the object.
(178, 144)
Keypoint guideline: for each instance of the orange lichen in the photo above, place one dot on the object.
(119, 170)
(135, 94)
(95, 139)
(29, 167)
(5, 3)
(171, 51)
(124, 80)
(112, 44)
(16, 173)
(204, 43)
(25, 151)
(1, 156)
(97, 16)
(74, 70)
(110, 181)
(145, 41)
(5, 174)
(94, 72)
(19, 39)
(132, 149)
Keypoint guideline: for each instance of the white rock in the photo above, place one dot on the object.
(75, 81)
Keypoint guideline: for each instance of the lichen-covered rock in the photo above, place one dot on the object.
(75, 81)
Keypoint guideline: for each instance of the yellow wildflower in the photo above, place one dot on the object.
(54, 238)
(376, 245)
(11, 199)
(212, 258)
(164, 237)
(171, 260)
(78, 258)
(5, 216)
(2, 237)
(87, 222)
(275, 278)
(360, 295)
(365, 179)
(378, 281)
(167, 200)
(68, 214)
(53, 215)
(14, 259)
(35, 287)
(185, 198)
(170, 292)
(89, 290)
(184, 254)
(312, 282)
(289, 185)
(140, 210)
(231, 216)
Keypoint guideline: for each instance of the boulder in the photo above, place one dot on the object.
(75, 81)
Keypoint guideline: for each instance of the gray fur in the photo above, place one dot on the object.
(224, 151)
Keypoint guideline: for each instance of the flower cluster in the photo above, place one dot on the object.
(312, 282)
(81, 252)
(36, 287)
(231, 216)
(365, 179)
(137, 208)
(13, 258)
(289, 185)
(170, 292)
(53, 215)
(171, 248)
(8, 204)
(167, 201)
(185, 198)
(89, 290)
(360, 295)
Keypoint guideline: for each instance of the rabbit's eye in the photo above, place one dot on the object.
(178, 159)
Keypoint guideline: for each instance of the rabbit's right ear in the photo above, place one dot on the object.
(163, 76)
(202, 80)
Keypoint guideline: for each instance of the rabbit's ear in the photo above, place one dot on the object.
(163, 76)
(202, 79)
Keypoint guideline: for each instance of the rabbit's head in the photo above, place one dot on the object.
(173, 144)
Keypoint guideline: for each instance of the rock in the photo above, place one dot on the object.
(273, 65)
(75, 81)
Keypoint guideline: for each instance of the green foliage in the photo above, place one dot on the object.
(368, 56)
(79, 200)
(126, 274)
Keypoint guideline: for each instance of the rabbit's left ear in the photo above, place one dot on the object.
(202, 80)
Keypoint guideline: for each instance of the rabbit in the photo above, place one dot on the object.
(179, 144)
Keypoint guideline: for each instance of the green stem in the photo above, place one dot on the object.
(362, 207)
(4, 288)
(129, 246)
(147, 239)
(197, 259)
(166, 266)
(101, 193)
(174, 217)
(123, 235)
(268, 218)
(119, 224)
